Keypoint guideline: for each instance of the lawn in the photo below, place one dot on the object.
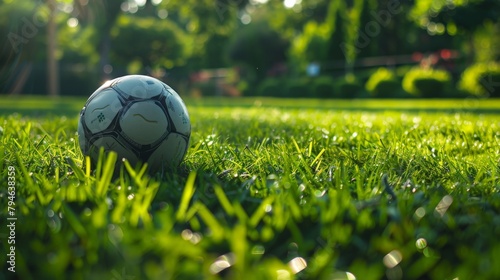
(269, 189)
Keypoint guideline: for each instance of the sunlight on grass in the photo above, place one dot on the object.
(265, 191)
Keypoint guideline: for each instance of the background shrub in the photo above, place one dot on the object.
(323, 87)
(298, 88)
(271, 87)
(383, 83)
(426, 83)
(481, 79)
(347, 87)
(208, 88)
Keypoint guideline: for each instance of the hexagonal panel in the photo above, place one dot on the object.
(111, 144)
(101, 110)
(170, 152)
(139, 86)
(179, 114)
(144, 122)
(105, 85)
(82, 141)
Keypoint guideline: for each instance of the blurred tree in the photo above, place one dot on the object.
(361, 44)
(487, 39)
(147, 42)
(21, 45)
(210, 24)
(52, 61)
(31, 31)
(456, 17)
(310, 45)
(102, 16)
(336, 19)
(288, 20)
(383, 28)
(258, 47)
(34, 33)
(323, 41)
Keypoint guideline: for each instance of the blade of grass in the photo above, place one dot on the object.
(224, 201)
(76, 170)
(261, 211)
(107, 174)
(318, 156)
(215, 227)
(187, 194)
(73, 221)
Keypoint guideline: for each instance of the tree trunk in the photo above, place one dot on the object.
(52, 65)
(104, 49)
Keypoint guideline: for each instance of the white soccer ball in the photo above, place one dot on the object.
(140, 118)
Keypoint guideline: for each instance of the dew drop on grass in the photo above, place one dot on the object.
(420, 213)
(283, 274)
(87, 212)
(109, 202)
(340, 275)
(268, 208)
(222, 263)
(297, 264)
(443, 205)
(115, 234)
(187, 234)
(421, 243)
(54, 225)
(392, 259)
(163, 205)
(258, 250)
(196, 238)
(319, 193)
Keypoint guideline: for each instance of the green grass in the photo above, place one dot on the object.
(269, 189)
(41, 105)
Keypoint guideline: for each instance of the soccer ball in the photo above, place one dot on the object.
(140, 118)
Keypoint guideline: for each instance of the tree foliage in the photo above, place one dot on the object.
(201, 34)
(149, 42)
(258, 47)
(464, 15)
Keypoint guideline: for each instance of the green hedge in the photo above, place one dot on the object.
(427, 83)
(298, 88)
(323, 87)
(347, 87)
(481, 80)
(207, 88)
(383, 83)
(272, 87)
(318, 87)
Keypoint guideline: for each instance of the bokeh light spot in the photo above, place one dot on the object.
(392, 259)
(421, 243)
(297, 264)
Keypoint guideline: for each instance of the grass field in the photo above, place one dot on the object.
(269, 189)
